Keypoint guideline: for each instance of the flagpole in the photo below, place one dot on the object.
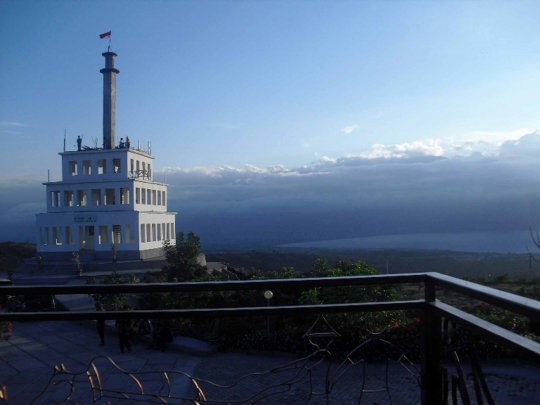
(110, 42)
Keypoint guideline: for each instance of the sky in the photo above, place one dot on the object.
(286, 121)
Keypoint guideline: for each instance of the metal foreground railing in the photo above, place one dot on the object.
(434, 320)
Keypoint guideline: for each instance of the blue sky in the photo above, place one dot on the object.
(256, 93)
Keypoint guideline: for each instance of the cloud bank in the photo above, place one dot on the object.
(350, 128)
(430, 186)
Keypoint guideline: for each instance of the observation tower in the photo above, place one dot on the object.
(107, 197)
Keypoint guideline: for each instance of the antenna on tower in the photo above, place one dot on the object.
(64, 140)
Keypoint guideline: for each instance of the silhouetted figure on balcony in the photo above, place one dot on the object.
(122, 325)
(101, 326)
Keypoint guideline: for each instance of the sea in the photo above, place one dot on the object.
(496, 242)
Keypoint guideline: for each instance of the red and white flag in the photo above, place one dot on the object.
(106, 35)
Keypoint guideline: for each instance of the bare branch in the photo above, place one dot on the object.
(536, 240)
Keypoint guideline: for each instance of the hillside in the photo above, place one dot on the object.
(458, 264)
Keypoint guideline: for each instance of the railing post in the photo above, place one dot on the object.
(431, 352)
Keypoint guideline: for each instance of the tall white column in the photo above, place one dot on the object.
(109, 101)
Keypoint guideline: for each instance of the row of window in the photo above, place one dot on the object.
(157, 232)
(64, 235)
(137, 168)
(149, 197)
(98, 196)
(107, 196)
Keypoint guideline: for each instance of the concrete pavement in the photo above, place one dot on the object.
(28, 358)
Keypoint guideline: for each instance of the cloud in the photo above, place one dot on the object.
(526, 147)
(411, 187)
(6, 131)
(495, 137)
(483, 143)
(405, 150)
(11, 124)
(350, 129)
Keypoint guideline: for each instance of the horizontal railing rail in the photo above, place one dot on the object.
(511, 302)
(216, 312)
(304, 283)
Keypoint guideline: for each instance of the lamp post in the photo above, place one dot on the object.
(268, 295)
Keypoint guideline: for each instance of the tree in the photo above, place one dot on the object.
(536, 241)
(182, 258)
(112, 302)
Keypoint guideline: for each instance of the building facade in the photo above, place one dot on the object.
(107, 196)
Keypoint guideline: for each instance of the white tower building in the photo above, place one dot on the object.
(107, 195)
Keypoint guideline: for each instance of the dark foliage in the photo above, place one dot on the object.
(182, 264)
(13, 252)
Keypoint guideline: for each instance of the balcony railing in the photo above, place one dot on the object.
(433, 384)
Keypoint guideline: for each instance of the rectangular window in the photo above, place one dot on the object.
(137, 169)
(143, 170)
(159, 198)
(110, 197)
(69, 236)
(163, 230)
(149, 172)
(163, 198)
(101, 166)
(116, 165)
(173, 235)
(124, 195)
(153, 232)
(68, 198)
(56, 235)
(143, 240)
(158, 231)
(131, 167)
(103, 235)
(117, 234)
(168, 231)
(96, 196)
(143, 195)
(148, 197)
(82, 239)
(137, 195)
(153, 197)
(148, 234)
(46, 236)
(73, 167)
(55, 198)
(87, 167)
(81, 198)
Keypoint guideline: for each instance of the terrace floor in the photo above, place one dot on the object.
(28, 358)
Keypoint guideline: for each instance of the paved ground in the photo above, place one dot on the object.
(27, 361)
(28, 358)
